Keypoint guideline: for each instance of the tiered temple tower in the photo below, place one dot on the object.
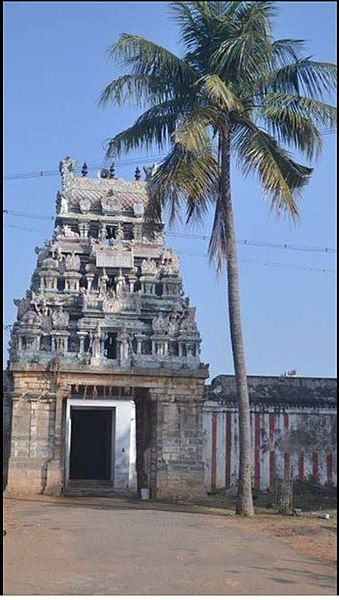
(106, 378)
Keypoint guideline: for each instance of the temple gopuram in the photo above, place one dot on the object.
(106, 380)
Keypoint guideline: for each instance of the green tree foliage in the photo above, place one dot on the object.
(237, 94)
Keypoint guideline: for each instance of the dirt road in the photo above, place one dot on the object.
(113, 547)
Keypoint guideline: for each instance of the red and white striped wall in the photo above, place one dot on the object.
(298, 441)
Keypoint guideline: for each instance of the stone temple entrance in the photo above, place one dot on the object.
(106, 329)
(100, 443)
(91, 444)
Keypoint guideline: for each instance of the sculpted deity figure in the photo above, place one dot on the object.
(57, 254)
(170, 263)
(119, 233)
(110, 203)
(160, 325)
(138, 209)
(31, 318)
(24, 304)
(60, 319)
(102, 232)
(120, 283)
(58, 231)
(188, 324)
(40, 305)
(66, 168)
(125, 344)
(149, 267)
(96, 342)
(67, 232)
(173, 322)
(85, 294)
(72, 262)
(103, 279)
(63, 204)
(110, 305)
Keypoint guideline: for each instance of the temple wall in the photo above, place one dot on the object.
(37, 461)
(192, 442)
(293, 432)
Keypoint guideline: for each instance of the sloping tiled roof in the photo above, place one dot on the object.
(127, 193)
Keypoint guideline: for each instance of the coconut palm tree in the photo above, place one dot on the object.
(235, 93)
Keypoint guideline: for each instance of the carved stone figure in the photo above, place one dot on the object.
(102, 232)
(96, 342)
(110, 305)
(85, 205)
(120, 283)
(103, 279)
(149, 267)
(138, 209)
(188, 324)
(31, 318)
(160, 325)
(170, 263)
(66, 168)
(50, 264)
(72, 262)
(60, 319)
(119, 233)
(24, 304)
(110, 204)
(125, 344)
(173, 322)
(63, 205)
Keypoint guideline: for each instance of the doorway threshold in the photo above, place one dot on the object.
(94, 488)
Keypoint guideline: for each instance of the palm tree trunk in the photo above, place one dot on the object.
(244, 505)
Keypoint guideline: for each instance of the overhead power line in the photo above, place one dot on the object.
(245, 260)
(132, 161)
(269, 264)
(55, 172)
(258, 243)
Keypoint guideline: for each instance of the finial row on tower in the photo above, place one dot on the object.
(137, 173)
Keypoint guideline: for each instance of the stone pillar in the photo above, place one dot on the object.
(131, 283)
(139, 339)
(55, 469)
(82, 336)
(89, 281)
(35, 463)
(29, 447)
(180, 471)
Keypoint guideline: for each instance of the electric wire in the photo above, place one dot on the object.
(258, 243)
(126, 162)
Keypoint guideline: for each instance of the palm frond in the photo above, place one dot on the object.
(144, 57)
(190, 29)
(256, 17)
(217, 91)
(293, 129)
(319, 113)
(183, 178)
(302, 77)
(243, 58)
(154, 127)
(280, 176)
(192, 131)
(286, 50)
(138, 89)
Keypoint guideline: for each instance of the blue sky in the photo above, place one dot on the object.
(55, 68)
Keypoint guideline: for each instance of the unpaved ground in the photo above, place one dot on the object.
(110, 546)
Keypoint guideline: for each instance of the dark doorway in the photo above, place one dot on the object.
(110, 346)
(91, 443)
